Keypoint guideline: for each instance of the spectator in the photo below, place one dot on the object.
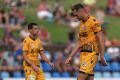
(7, 4)
(13, 15)
(90, 4)
(44, 11)
(24, 33)
(20, 15)
(4, 19)
(59, 12)
(9, 57)
(71, 36)
(74, 24)
(44, 36)
(76, 62)
(59, 62)
(4, 65)
(22, 3)
(111, 7)
(118, 7)
(115, 42)
(18, 57)
(16, 18)
(1, 59)
(100, 14)
(114, 52)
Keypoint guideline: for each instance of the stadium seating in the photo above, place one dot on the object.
(17, 74)
(106, 68)
(23, 74)
(48, 55)
(98, 74)
(75, 74)
(65, 74)
(55, 56)
(116, 75)
(46, 67)
(107, 57)
(5, 75)
(107, 75)
(47, 74)
(98, 67)
(56, 74)
(115, 66)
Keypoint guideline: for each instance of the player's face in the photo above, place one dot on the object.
(80, 14)
(34, 30)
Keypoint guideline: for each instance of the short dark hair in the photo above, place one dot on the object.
(30, 25)
(77, 6)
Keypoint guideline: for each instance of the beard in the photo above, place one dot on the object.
(34, 35)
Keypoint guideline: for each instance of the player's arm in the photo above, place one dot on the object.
(29, 62)
(101, 40)
(74, 51)
(43, 56)
(26, 58)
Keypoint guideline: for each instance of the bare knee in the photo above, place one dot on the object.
(82, 76)
(90, 78)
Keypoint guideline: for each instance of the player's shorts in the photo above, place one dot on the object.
(32, 75)
(88, 60)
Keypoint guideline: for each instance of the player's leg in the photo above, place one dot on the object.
(30, 73)
(40, 75)
(90, 77)
(82, 76)
(88, 62)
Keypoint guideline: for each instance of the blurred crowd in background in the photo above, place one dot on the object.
(13, 19)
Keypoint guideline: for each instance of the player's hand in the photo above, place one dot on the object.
(68, 60)
(51, 64)
(103, 60)
(35, 68)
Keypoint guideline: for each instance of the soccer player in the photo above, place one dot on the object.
(32, 47)
(90, 43)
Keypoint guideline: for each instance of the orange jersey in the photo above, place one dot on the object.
(32, 47)
(89, 44)
(87, 35)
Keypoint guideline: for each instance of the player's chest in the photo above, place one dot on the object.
(34, 45)
(85, 27)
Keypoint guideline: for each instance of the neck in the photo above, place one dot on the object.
(85, 18)
(32, 37)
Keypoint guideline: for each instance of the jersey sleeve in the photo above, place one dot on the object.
(96, 26)
(25, 45)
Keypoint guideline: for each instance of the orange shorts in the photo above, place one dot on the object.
(32, 75)
(88, 61)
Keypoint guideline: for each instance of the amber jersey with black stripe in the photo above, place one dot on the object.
(32, 48)
(87, 34)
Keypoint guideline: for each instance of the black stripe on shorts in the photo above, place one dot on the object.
(86, 73)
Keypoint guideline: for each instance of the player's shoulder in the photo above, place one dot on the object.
(94, 19)
(38, 39)
(26, 39)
